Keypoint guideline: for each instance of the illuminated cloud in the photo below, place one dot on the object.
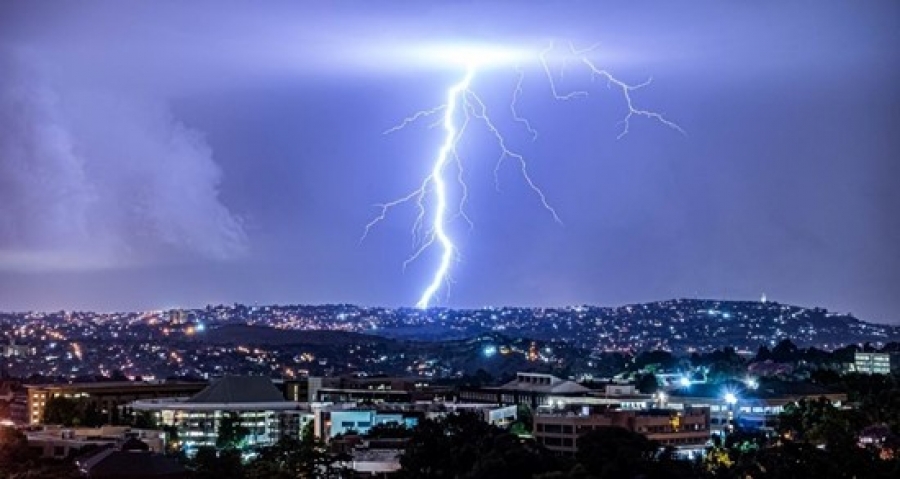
(94, 179)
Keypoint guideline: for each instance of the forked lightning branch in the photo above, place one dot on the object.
(462, 107)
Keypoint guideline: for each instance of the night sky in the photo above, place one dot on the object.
(161, 155)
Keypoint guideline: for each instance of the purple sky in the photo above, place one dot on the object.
(157, 155)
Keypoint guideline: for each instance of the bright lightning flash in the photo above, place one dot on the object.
(463, 105)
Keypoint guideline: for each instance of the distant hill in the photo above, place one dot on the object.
(236, 334)
(678, 324)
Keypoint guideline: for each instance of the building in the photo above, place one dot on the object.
(531, 389)
(331, 420)
(365, 388)
(374, 462)
(106, 396)
(131, 460)
(296, 390)
(872, 363)
(687, 430)
(750, 407)
(255, 401)
(59, 442)
(15, 350)
(18, 409)
(362, 420)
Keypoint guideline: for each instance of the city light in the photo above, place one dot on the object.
(661, 397)
(730, 399)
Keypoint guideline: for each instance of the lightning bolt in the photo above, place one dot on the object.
(462, 105)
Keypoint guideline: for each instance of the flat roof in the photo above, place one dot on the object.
(179, 404)
(113, 385)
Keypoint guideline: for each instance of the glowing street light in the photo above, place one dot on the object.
(661, 397)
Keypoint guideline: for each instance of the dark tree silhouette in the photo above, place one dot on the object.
(615, 452)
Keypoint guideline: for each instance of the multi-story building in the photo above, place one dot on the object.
(106, 396)
(872, 363)
(254, 401)
(748, 407)
(686, 430)
(334, 419)
(362, 420)
(12, 349)
(531, 389)
(58, 442)
(365, 388)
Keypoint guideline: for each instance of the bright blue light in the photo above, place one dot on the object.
(684, 382)
(201, 327)
(489, 351)
(431, 229)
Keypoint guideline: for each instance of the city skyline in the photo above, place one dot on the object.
(187, 155)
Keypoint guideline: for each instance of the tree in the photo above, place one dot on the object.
(463, 446)
(763, 354)
(883, 408)
(389, 430)
(818, 422)
(427, 453)
(209, 463)
(615, 452)
(823, 438)
(647, 383)
(17, 460)
(232, 432)
(506, 457)
(13, 446)
(658, 359)
(785, 351)
(63, 411)
(71, 412)
(280, 461)
(144, 420)
(825, 377)
(305, 458)
(524, 421)
(173, 441)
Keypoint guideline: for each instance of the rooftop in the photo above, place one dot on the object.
(114, 463)
(239, 389)
(544, 383)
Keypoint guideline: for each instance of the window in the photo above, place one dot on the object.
(553, 428)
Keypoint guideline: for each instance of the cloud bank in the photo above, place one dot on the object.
(90, 178)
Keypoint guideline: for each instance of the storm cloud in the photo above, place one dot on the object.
(92, 178)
